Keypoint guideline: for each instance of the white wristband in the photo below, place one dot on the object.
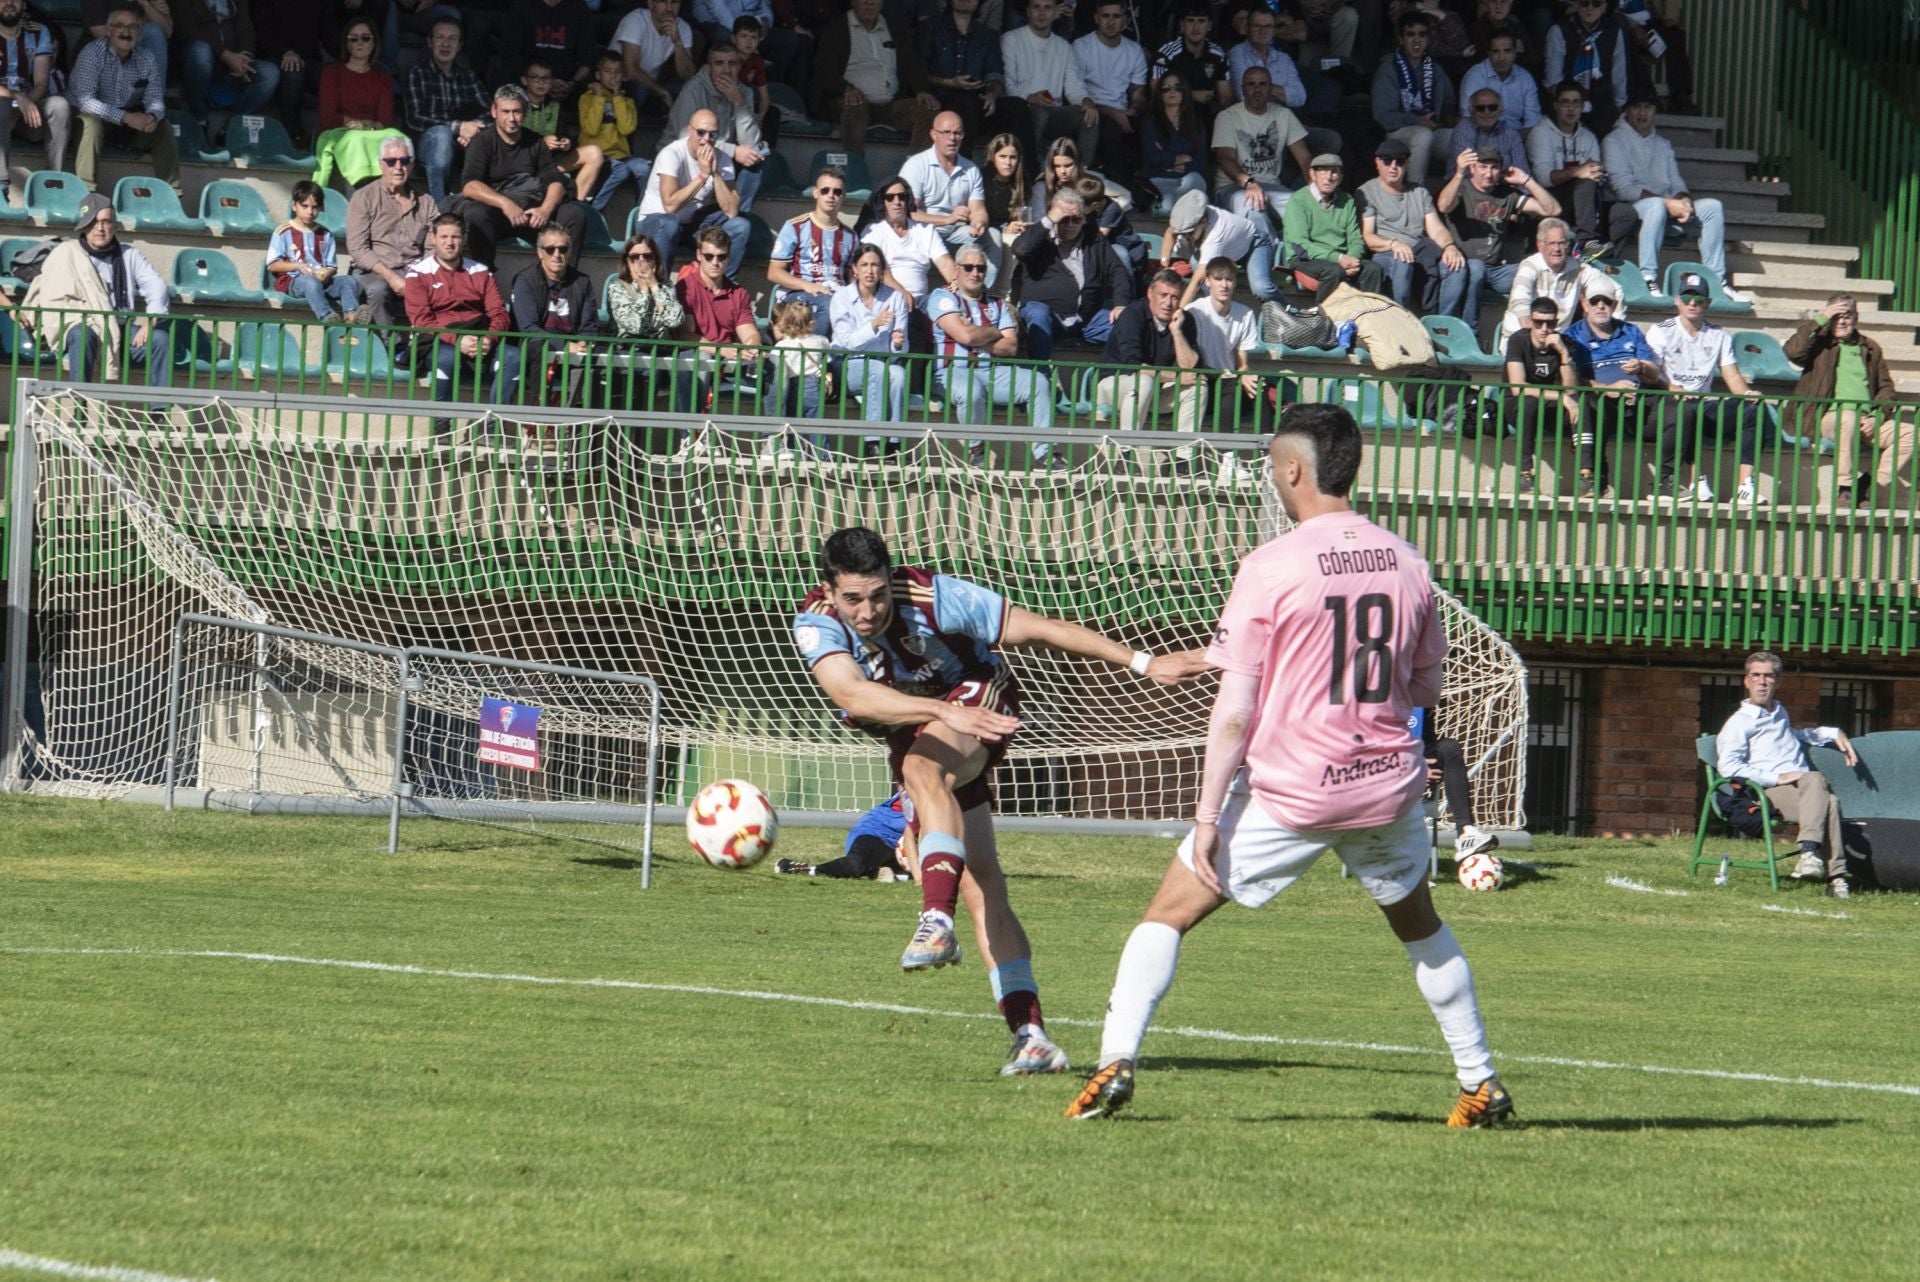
(1139, 664)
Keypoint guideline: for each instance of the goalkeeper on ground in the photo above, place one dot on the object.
(876, 847)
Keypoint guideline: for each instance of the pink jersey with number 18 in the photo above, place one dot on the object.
(1334, 617)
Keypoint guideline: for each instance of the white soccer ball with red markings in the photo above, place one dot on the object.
(1482, 872)
(731, 824)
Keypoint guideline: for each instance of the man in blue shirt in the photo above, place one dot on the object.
(1612, 357)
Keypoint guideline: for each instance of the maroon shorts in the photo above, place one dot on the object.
(999, 693)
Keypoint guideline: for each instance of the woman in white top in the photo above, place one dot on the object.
(870, 323)
(912, 248)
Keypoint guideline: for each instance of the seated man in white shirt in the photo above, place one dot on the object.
(1226, 330)
(1759, 746)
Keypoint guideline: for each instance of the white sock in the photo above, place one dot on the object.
(1440, 968)
(1146, 972)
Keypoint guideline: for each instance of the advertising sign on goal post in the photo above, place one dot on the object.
(509, 734)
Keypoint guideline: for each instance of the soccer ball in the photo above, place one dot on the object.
(1482, 872)
(731, 824)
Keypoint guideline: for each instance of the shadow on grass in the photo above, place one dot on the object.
(607, 861)
(1158, 1063)
(1517, 873)
(1647, 1123)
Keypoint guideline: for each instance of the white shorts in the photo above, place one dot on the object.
(1259, 857)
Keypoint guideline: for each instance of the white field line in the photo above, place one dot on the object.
(1805, 912)
(842, 1003)
(1641, 887)
(67, 1269)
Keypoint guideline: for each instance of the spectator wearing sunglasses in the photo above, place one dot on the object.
(1485, 127)
(387, 224)
(692, 188)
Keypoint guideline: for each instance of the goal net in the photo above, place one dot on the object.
(575, 544)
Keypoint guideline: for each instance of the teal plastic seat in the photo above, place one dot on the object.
(197, 350)
(148, 204)
(10, 248)
(851, 163)
(777, 181)
(191, 139)
(1363, 398)
(794, 119)
(229, 207)
(1760, 356)
(54, 198)
(599, 237)
(759, 240)
(333, 214)
(357, 354)
(270, 350)
(261, 142)
(1457, 345)
(209, 276)
(273, 297)
(12, 213)
(16, 342)
(1717, 300)
(1633, 290)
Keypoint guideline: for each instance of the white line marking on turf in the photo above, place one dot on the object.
(68, 1269)
(1628, 883)
(843, 1003)
(1805, 912)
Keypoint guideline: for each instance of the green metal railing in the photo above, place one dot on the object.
(1545, 563)
(1799, 94)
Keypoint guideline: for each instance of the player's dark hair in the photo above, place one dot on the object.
(854, 550)
(1336, 444)
(1413, 18)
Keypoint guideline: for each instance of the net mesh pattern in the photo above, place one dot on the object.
(574, 544)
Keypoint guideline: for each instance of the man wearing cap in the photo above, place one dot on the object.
(1847, 374)
(1403, 231)
(1199, 233)
(1322, 227)
(1691, 350)
(1482, 128)
(1413, 99)
(1251, 141)
(1612, 357)
(1482, 204)
(1642, 172)
(97, 273)
(1553, 273)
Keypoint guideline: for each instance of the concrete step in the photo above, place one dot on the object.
(1748, 195)
(1773, 251)
(1781, 226)
(1808, 274)
(1691, 131)
(1784, 291)
(1714, 164)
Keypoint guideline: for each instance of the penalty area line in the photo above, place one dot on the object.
(844, 1003)
(68, 1269)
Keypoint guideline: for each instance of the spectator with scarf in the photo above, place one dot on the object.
(1589, 47)
(1413, 99)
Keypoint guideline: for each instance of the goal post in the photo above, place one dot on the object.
(262, 717)
(574, 541)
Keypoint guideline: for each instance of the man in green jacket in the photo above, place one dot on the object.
(1322, 229)
(1847, 383)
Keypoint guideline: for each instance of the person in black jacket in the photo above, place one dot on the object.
(555, 299)
(557, 31)
(1161, 343)
(1076, 286)
(510, 185)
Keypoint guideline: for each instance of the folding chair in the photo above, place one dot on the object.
(1708, 749)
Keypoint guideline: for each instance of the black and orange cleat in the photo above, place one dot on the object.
(1487, 1104)
(1105, 1093)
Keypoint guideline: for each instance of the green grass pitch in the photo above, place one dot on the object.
(202, 1117)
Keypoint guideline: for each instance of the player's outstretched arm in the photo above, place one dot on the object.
(1024, 627)
(872, 701)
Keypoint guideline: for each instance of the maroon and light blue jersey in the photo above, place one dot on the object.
(816, 254)
(942, 633)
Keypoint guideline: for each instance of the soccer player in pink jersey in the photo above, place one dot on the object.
(1329, 640)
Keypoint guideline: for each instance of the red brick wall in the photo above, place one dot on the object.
(1905, 714)
(1640, 772)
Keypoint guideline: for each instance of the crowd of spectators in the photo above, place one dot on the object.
(1512, 143)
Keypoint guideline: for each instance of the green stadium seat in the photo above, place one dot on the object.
(777, 181)
(1707, 748)
(1364, 399)
(197, 350)
(794, 119)
(333, 214)
(209, 276)
(191, 140)
(54, 198)
(261, 142)
(12, 213)
(1633, 290)
(272, 350)
(274, 297)
(148, 204)
(10, 247)
(1717, 300)
(599, 237)
(357, 354)
(231, 208)
(759, 240)
(1457, 345)
(1760, 356)
(851, 163)
(16, 342)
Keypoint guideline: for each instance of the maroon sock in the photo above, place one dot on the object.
(1022, 1007)
(942, 859)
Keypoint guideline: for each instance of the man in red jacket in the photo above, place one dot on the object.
(450, 292)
